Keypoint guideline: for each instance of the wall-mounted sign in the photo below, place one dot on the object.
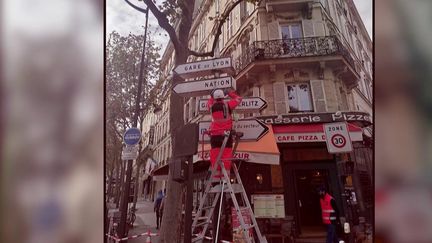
(311, 137)
(304, 118)
(269, 205)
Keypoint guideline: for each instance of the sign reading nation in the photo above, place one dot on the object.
(247, 105)
(203, 87)
(206, 67)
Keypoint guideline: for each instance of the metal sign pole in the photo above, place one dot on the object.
(189, 203)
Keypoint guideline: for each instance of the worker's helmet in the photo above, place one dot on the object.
(218, 94)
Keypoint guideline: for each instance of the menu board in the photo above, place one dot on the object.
(269, 205)
(238, 236)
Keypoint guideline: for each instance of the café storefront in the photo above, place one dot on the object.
(282, 170)
(306, 164)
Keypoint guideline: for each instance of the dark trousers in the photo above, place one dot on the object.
(158, 218)
(331, 234)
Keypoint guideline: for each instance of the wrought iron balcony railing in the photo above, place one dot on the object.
(289, 48)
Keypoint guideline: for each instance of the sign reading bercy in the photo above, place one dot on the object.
(304, 118)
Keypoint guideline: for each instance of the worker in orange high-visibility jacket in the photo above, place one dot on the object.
(222, 121)
(330, 214)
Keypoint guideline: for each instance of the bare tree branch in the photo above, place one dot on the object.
(164, 23)
(136, 7)
(222, 19)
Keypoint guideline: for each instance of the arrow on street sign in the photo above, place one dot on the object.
(247, 105)
(252, 129)
(206, 67)
(203, 87)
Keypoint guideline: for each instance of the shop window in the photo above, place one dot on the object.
(299, 97)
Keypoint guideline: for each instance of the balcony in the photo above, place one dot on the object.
(298, 53)
(287, 5)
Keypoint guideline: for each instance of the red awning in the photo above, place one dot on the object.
(310, 133)
(263, 151)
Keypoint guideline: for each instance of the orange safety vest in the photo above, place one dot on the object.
(328, 212)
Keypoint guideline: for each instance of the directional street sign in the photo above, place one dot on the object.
(337, 137)
(203, 87)
(206, 67)
(130, 152)
(132, 136)
(252, 129)
(247, 105)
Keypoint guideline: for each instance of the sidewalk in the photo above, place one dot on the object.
(145, 221)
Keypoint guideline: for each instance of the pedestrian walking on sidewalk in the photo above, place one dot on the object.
(161, 207)
(330, 214)
(157, 208)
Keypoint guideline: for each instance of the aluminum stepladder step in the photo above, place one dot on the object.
(225, 187)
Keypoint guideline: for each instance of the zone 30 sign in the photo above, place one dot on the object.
(337, 137)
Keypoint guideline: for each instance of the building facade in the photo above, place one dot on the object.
(311, 61)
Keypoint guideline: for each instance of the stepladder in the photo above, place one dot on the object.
(215, 189)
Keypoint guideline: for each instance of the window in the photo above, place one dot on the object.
(186, 112)
(243, 12)
(217, 7)
(325, 4)
(299, 97)
(230, 26)
(369, 90)
(291, 31)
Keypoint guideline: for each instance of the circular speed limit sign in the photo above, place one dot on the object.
(338, 140)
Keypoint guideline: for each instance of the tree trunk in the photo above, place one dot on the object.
(171, 221)
(110, 179)
(136, 185)
(120, 183)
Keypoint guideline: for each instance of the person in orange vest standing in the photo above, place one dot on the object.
(222, 121)
(330, 214)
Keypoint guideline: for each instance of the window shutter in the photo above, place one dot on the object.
(273, 30)
(318, 95)
(308, 28)
(319, 28)
(280, 97)
(256, 91)
(193, 107)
